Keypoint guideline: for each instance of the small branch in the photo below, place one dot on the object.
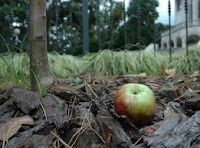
(138, 141)
(100, 137)
(60, 139)
(86, 84)
(44, 111)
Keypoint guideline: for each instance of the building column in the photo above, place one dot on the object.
(162, 45)
(183, 43)
(175, 43)
(195, 11)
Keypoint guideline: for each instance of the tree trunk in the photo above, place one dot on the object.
(39, 66)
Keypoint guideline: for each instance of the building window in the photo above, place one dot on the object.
(178, 5)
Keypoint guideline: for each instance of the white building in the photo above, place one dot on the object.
(178, 31)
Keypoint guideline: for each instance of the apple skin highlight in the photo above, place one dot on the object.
(137, 102)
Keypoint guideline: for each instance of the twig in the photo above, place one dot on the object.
(56, 143)
(138, 141)
(77, 132)
(81, 128)
(69, 113)
(60, 139)
(164, 104)
(106, 117)
(43, 109)
(96, 96)
(3, 145)
(131, 124)
(100, 137)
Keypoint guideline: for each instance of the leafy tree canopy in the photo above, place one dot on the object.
(65, 24)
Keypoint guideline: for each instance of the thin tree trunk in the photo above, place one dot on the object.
(39, 66)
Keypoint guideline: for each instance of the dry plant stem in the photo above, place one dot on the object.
(100, 137)
(178, 98)
(138, 141)
(56, 143)
(70, 111)
(132, 125)
(3, 145)
(82, 131)
(16, 114)
(86, 84)
(43, 109)
(106, 117)
(83, 125)
(162, 103)
(63, 142)
(77, 133)
(104, 135)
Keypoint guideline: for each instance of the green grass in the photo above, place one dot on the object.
(184, 64)
(65, 65)
(15, 67)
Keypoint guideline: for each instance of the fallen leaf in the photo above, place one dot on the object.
(10, 128)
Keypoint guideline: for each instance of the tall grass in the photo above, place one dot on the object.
(110, 63)
(15, 66)
(65, 65)
(120, 63)
(186, 64)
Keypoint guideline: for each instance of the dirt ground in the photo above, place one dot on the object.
(79, 113)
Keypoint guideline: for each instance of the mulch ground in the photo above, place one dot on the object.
(79, 113)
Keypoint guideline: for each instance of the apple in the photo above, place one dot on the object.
(137, 102)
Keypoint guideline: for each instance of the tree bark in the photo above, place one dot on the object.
(39, 66)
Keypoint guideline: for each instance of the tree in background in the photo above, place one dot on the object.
(65, 24)
(39, 66)
(145, 11)
(13, 24)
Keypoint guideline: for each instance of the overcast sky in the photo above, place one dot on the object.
(162, 10)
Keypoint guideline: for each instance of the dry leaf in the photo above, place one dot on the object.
(170, 72)
(12, 126)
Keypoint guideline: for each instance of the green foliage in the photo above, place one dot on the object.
(184, 64)
(15, 67)
(65, 65)
(65, 28)
(107, 62)
(12, 16)
(147, 63)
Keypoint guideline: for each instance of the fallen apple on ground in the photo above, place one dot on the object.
(137, 102)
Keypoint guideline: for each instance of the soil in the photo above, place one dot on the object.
(80, 114)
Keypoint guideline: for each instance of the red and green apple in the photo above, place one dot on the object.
(137, 102)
